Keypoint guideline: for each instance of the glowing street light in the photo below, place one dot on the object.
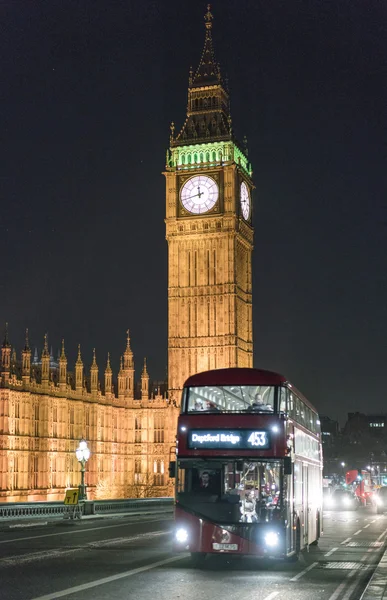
(83, 454)
(343, 464)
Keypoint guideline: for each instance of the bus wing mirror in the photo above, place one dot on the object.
(288, 465)
(172, 469)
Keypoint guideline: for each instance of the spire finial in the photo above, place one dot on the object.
(79, 358)
(45, 346)
(190, 79)
(108, 361)
(145, 371)
(6, 343)
(94, 359)
(27, 346)
(63, 355)
(208, 17)
(172, 128)
(127, 339)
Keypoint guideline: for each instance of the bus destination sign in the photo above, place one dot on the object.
(229, 439)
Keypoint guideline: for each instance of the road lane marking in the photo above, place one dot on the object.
(271, 596)
(342, 585)
(104, 580)
(11, 561)
(345, 541)
(35, 537)
(357, 533)
(365, 526)
(374, 521)
(381, 535)
(331, 552)
(297, 577)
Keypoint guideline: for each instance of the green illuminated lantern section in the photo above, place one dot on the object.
(199, 194)
(245, 201)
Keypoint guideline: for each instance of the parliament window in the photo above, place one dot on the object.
(158, 434)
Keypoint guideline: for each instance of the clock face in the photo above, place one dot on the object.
(199, 194)
(245, 201)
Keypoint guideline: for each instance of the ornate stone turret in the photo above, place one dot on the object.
(62, 369)
(5, 358)
(26, 362)
(45, 362)
(108, 376)
(129, 369)
(144, 383)
(94, 376)
(79, 372)
(121, 381)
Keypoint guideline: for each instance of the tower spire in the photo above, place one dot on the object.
(208, 102)
(208, 71)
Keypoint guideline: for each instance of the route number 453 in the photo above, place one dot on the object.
(257, 438)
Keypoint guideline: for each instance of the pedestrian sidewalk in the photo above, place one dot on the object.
(377, 585)
(7, 524)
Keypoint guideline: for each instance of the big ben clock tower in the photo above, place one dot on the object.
(209, 233)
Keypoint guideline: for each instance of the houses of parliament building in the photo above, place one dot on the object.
(46, 407)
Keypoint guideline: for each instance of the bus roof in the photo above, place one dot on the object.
(242, 376)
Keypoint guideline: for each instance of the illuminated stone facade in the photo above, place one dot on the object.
(45, 411)
(209, 254)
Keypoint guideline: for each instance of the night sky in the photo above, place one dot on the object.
(88, 90)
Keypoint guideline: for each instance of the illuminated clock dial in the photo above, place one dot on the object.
(245, 200)
(199, 194)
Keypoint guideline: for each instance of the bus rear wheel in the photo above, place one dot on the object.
(198, 558)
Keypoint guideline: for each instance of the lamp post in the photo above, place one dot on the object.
(83, 454)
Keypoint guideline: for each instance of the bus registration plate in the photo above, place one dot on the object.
(216, 546)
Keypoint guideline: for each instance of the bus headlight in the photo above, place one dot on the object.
(379, 501)
(181, 535)
(271, 539)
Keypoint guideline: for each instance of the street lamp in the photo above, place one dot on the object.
(83, 454)
(343, 464)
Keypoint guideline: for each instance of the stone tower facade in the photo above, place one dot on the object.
(209, 232)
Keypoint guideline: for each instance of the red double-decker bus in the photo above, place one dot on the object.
(248, 468)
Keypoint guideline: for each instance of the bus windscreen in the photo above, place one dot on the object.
(230, 399)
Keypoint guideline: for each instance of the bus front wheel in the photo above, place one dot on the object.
(198, 558)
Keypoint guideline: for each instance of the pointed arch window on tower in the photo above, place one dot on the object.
(159, 424)
(214, 156)
(137, 430)
(137, 471)
(115, 428)
(188, 159)
(36, 420)
(158, 470)
(71, 423)
(207, 157)
(55, 421)
(195, 159)
(87, 423)
(17, 417)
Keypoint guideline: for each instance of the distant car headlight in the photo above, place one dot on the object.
(379, 501)
(181, 535)
(347, 501)
(271, 539)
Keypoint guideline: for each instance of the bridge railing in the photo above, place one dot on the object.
(39, 510)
